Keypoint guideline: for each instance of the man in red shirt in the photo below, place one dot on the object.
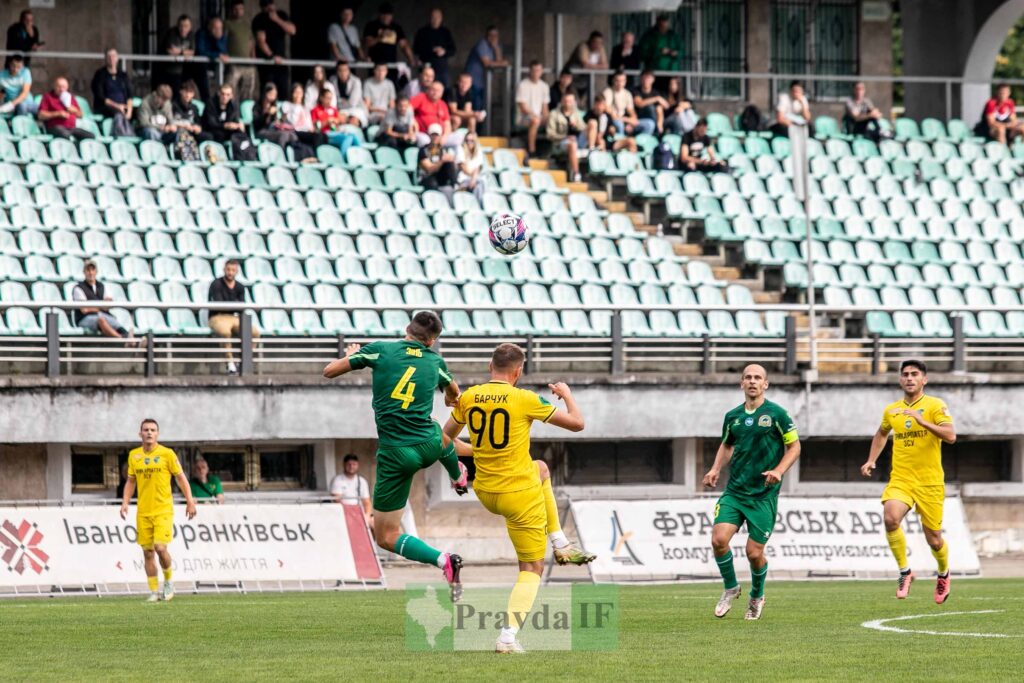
(58, 112)
(1000, 118)
(429, 108)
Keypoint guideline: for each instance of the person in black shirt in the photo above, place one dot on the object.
(601, 131)
(227, 323)
(696, 152)
(559, 88)
(24, 36)
(383, 38)
(464, 104)
(649, 103)
(270, 28)
(184, 112)
(112, 94)
(222, 123)
(434, 45)
(626, 55)
(437, 163)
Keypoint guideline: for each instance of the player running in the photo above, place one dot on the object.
(922, 423)
(508, 482)
(405, 376)
(761, 440)
(150, 468)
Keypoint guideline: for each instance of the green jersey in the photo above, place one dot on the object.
(405, 375)
(759, 439)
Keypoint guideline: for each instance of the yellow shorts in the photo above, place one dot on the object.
(928, 500)
(525, 517)
(154, 529)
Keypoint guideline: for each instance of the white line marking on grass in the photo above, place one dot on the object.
(880, 625)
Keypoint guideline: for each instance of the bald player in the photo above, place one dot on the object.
(760, 440)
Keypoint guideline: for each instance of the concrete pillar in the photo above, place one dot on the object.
(324, 463)
(876, 59)
(58, 471)
(1017, 461)
(684, 463)
(759, 52)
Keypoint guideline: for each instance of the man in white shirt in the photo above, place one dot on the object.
(532, 102)
(349, 488)
(620, 105)
(790, 105)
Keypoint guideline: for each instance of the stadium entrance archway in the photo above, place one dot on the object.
(981, 60)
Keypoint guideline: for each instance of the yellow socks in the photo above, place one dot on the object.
(520, 602)
(550, 507)
(942, 557)
(167, 574)
(898, 545)
(153, 582)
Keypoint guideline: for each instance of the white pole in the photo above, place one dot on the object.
(518, 61)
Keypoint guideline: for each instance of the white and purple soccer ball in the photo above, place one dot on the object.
(508, 234)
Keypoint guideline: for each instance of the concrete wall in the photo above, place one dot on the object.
(22, 471)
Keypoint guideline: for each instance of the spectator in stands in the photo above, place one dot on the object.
(383, 38)
(434, 45)
(16, 88)
(650, 104)
(696, 153)
(469, 160)
(601, 132)
(351, 488)
(437, 162)
(270, 29)
(317, 84)
(790, 105)
(241, 45)
(861, 116)
(227, 289)
(156, 114)
(999, 118)
(212, 43)
(486, 54)
(179, 41)
(205, 485)
(343, 38)
(430, 108)
(378, 94)
(112, 95)
(222, 122)
(187, 120)
(680, 116)
(620, 107)
(399, 129)
(269, 124)
(349, 89)
(625, 55)
(58, 112)
(588, 55)
(295, 113)
(23, 36)
(568, 132)
(559, 88)
(328, 121)
(91, 319)
(661, 49)
(464, 104)
(532, 102)
(421, 84)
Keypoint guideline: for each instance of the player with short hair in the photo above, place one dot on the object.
(405, 375)
(761, 441)
(508, 482)
(150, 468)
(920, 424)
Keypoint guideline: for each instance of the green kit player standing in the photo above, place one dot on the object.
(405, 375)
(760, 439)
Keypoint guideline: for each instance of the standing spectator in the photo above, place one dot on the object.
(112, 95)
(16, 88)
(58, 112)
(349, 89)
(661, 49)
(650, 104)
(378, 94)
(421, 84)
(696, 153)
(270, 29)
(620, 107)
(384, 38)
(601, 129)
(625, 55)
(861, 116)
(205, 486)
(679, 117)
(241, 45)
(179, 42)
(532, 102)
(226, 324)
(212, 43)
(999, 119)
(223, 124)
(155, 115)
(295, 113)
(187, 121)
(23, 36)
(351, 488)
(791, 104)
(317, 84)
(436, 162)
(328, 121)
(559, 88)
(430, 108)
(486, 54)
(93, 319)
(399, 129)
(469, 160)
(465, 105)
(568, 132)
(343, 38)
(589, 55)
(434, 45)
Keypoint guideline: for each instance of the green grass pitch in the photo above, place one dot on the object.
(811, 631)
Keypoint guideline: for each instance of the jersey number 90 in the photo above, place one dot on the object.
(479, 425)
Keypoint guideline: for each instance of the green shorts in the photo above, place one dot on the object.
(758, 513)
(397, 465)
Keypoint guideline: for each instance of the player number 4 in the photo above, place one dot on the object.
(404, 390)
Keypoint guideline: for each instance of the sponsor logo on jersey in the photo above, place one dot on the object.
(147, 461)
(764, 421)
(749, 422)
(156, 459)
(413, 352)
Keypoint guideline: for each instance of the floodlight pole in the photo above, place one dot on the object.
(799, 133)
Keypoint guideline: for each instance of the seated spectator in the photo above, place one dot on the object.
(378, 94)
(464, 104)
(343, 38)
(59, 112)
(187, 120)
(269, 124)
(469, 159)
(421, 84)
(212, 43)
(156, 114)
(349, 89)
(430, 108)
(601, 131)
(679, 116)
(532, 103)
(625, 55)
(399, 129)
(999, 118)
(16, 88)
(861, 117)
(620, 107)
(328, 121)
(112, 95)
(295, 114)
(568, 132)
(205, 485)
(351, 488)
(433, 44)
(222, 123)
(790, 105)
(91, 319)
(589, 55)
(23, 36)
(227, 289)
(559, 88)
(650, 105)
(696, 153)
(318, 83)
(436, 162)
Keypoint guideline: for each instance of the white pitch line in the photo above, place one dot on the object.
(880, 625)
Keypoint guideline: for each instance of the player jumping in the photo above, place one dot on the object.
(761, 441)
(150, 468)
(921, 424)
(405, 376)
(508, 482)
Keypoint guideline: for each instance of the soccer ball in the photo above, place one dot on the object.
(508, 234)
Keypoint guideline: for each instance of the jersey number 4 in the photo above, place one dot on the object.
(405, 389)
(479, 424)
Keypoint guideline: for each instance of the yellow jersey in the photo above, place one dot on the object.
(153, 472)
(499, 416)
(916, 452)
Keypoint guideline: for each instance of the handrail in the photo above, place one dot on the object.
(180, 59)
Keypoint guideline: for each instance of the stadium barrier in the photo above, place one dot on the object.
(667, 540)
(59, 550)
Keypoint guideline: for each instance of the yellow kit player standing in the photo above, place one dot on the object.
(920, 424)
(508, 482)
(150, 468)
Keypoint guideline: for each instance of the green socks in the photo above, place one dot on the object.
(726, 569)
(412, 548)
(757, 577)
(451, 461)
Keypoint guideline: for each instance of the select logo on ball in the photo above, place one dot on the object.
(508, 234)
